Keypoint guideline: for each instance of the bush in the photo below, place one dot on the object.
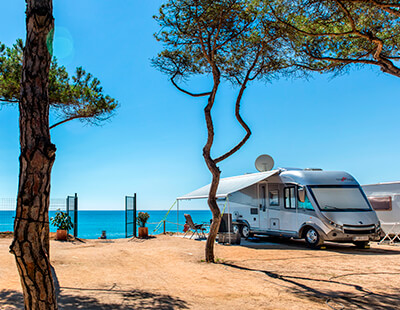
(62, 221)
(142, 218)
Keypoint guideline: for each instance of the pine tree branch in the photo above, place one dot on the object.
(237, 112)
(9, 100)
(66, 120)
(187, 92)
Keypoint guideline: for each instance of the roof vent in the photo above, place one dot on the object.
(312, 169)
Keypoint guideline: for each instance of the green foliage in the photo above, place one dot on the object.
(62, 221)
(330, 35)
(80, 97)
(142, 218)
(235, 37)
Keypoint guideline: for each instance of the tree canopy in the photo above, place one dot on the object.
(80, 97)
(225, 39)
(330, 35)
(201, 36)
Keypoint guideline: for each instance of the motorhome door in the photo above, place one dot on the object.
(262, 207)
(288, 218)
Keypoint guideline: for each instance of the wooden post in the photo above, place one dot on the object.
(164, 227)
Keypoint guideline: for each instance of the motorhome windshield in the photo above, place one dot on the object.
(340, 198)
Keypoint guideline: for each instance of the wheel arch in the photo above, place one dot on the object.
(306, 226)
(241, 222)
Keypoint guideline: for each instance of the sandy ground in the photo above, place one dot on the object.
(167, 272)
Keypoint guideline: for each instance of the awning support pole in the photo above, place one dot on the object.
(229, 220)
(177, 216)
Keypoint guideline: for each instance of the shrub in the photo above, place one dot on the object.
(142, 218)
(62, 221)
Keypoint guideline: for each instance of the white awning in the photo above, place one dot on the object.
(230, 185)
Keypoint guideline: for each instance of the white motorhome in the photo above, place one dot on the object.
(385, 200)
(312, 204)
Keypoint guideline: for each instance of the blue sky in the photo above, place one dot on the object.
(153, 146)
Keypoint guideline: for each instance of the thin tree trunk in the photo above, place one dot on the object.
(31, 228)
(212, 201)
(216, 213)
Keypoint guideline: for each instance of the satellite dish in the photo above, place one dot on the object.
(264, 163)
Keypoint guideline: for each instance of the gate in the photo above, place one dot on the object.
(72, 211)
(130, 216)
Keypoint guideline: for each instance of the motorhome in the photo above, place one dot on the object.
(385, 200)
(312, 204)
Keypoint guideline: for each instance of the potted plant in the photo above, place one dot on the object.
(63, 223)
(141, 220)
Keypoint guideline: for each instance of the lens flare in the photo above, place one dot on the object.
(63, 44)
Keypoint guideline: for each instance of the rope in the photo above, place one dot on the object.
(223, 210)
(164, 218)
(174, 223)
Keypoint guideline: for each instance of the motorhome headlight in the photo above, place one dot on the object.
(336, 225)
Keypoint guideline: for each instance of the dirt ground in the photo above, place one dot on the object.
(167, 272)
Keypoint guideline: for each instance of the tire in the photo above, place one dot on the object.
(361, 244)
(245, 231)
(236, 229)
(313, 238)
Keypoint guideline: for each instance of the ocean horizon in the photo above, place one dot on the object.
(92, 222)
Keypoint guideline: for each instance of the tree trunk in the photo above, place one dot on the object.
(212, 201)
(216, 213)
(31, 228)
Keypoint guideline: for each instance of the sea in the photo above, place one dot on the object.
(92, 223)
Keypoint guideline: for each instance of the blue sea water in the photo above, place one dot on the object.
(92, 223)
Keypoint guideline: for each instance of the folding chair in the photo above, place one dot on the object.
(194, 228)
(392, 234)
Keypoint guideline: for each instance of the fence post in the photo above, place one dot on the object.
(164, 227)
(126, 216)
(134, 216)
(76, 216)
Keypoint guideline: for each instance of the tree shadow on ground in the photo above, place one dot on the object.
(10, 300)
(278, 243)
(360, 298)
(87, 299)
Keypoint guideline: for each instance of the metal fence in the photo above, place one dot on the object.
(8, 206)
(72, 211)
(130, 216)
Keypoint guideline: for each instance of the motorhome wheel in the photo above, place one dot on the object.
(313, 238)
(236, 229)
(361, 244)
(245, 231)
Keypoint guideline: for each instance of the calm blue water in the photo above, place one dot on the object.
(91, 223)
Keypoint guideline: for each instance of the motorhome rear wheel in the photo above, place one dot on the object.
(236, 229)
(312, 237)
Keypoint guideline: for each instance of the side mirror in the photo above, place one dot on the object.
(301, 194)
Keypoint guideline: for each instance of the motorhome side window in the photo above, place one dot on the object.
(306, 205)
(273, 197)
(290, 198)
(381, 203)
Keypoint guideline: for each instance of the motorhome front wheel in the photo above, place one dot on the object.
(312, 238)
(236, 229)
